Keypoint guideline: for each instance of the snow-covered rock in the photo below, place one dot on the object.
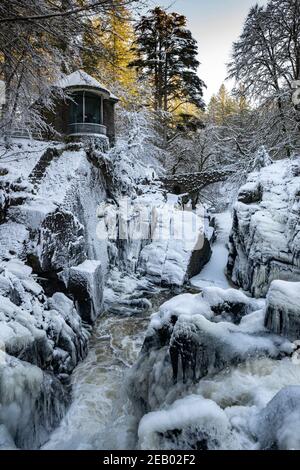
(32, 403)
(42, 339)
(265, 238)
(85, 283)
(60, 242)
(192, 423)
(179, 248)
(277, 425)
(44, 331)
(188, 339)
(283, 309)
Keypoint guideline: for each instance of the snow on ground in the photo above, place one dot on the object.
(213, 274)
(22, 157)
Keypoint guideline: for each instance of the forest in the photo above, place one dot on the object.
(152, 64)
(149, 230)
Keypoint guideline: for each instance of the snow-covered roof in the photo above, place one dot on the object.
(83, 79)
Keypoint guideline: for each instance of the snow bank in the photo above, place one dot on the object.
(265, 238)
(190, 423)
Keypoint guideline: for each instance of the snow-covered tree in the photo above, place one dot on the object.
(41, 40)
(167, 54)
(265, 62)
(107, 51)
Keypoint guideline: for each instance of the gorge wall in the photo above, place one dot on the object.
(265, 238)
(57, 208)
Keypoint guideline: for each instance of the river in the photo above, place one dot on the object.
(100, 416)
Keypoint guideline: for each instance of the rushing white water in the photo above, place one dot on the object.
(100, 413)
(99, 416)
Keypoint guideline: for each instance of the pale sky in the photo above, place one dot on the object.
(215, 24)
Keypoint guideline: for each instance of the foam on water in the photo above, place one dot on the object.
(99, 417)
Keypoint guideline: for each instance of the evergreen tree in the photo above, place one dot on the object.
(107, 49)
(167, 54)
(222, 106)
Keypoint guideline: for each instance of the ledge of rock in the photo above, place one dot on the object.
(191, 338)
(85, 283)
(283, 309)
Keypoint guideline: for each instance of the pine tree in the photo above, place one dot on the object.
(107, 50)
(167, 54)
(222, 106)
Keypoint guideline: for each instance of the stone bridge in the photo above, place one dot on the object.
(192, 183)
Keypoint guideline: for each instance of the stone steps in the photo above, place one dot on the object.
(40, 168)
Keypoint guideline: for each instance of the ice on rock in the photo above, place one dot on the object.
(33, 326)
(231, 304)
(283, 309)
(187, 340)
(85, 283)
(13, 239)
(179, 248)
(192, 423)
(213, 273)
(33, 213)
(41, 340)
(127, 294)
(31, 403)
(17, 268)
(264, 242)
(277, 425)
(6, 440)
(61, 242)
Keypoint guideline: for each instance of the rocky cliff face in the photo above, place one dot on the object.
(265, 238)
(42, 339)
(51, 283)
(209, 367)
(57, 254)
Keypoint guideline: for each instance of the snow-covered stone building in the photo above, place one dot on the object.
(90, 110)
